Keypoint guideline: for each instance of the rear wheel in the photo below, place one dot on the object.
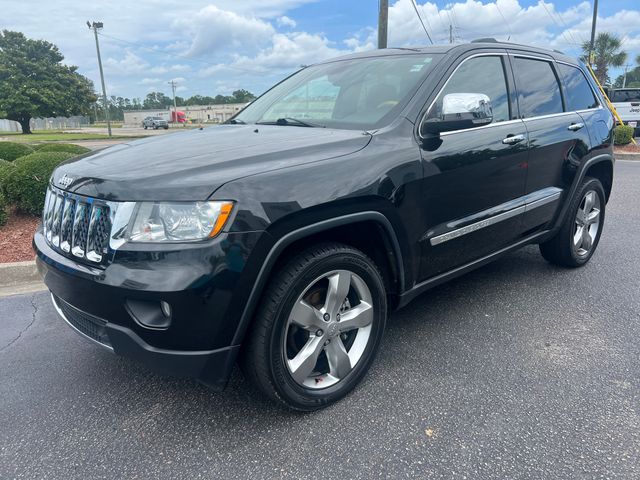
(318, 327)
(577, 239)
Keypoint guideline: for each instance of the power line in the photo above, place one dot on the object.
(555, 22)
(415, 7)
(177, 55)
(505, 21)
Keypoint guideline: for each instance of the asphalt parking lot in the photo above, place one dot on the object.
(517, 370)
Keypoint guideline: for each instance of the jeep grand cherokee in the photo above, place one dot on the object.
(284, 238)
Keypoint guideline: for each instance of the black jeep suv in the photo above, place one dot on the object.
(284, 238)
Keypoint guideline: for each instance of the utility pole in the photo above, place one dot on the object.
(95, 26)
(624, 78)
(593, 31)
(450, 33)
(383, 23)
(175, 108)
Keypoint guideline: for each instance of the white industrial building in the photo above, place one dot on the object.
(194, 113)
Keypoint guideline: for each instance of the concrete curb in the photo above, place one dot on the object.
(626, 156)
(19, 277)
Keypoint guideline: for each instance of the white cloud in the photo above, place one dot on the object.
(285, 21)
(150, 81)
(253, 43)
(213, 29)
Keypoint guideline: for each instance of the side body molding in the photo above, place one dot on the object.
(303, 232)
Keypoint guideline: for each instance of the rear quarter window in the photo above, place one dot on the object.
(578, 93)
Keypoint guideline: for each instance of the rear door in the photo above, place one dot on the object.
(558, 137)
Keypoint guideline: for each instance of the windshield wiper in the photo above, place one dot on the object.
(292, 121)
(236, 121)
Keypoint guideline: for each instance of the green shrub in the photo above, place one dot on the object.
(26, 185)
(622, 134)
(61, 147)
(12, 150)
(3, 210)
(5, 169)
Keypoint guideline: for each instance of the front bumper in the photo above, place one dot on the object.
(211, 367)
(203, 285)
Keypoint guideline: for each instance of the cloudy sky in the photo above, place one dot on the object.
(217, 46)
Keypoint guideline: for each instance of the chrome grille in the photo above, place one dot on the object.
(77, 226)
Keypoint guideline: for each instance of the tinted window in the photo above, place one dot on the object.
(538, 88)
(579, 95)
(479, 75)
(621, 96)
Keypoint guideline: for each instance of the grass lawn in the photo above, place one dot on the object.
(58, 136)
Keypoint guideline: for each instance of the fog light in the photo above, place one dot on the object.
(166, 309)
(150, 314)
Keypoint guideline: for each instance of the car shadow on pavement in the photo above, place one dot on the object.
(443, 309)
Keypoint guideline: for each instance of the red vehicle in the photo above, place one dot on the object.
(178, 117)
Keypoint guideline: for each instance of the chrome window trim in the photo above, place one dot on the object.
(497, 124)
(483, 54)
(551, 115)
(513, 121)
(524, 55)
(487, 222)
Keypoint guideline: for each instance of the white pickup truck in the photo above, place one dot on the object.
(627, 102)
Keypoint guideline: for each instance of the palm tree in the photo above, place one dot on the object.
(607, 53)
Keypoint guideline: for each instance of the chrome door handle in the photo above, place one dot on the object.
(513, 139)
(574, 127)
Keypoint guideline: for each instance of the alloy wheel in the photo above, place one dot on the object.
(587, 223)
(328, 329)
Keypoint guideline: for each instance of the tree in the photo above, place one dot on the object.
(35, 83)
(242, 96)
(633, 77)
(156, 100)
(607, 53)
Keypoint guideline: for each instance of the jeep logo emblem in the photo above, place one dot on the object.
(65, 181)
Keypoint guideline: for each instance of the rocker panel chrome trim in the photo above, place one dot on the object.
(530, 202)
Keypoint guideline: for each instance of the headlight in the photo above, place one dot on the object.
(179, 221)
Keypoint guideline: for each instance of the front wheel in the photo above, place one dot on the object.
(578, 237)
(318, 327)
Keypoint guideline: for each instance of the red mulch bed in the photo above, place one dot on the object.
(15, 237)
(628, 148)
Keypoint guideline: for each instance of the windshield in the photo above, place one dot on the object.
(360, 93)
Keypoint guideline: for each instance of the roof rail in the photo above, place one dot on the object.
(558, 51)
(484, 40)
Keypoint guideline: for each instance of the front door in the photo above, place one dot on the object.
(474, 179)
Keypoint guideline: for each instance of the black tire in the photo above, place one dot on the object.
(166, 127)
(145, 127)
(264, 356)
(561, 249)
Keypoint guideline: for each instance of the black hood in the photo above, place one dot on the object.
(191, 165)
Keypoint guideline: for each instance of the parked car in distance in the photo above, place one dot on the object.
(155, 123)
(284, 238)
(626, 101)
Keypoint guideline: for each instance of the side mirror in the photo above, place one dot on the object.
(460, 111)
